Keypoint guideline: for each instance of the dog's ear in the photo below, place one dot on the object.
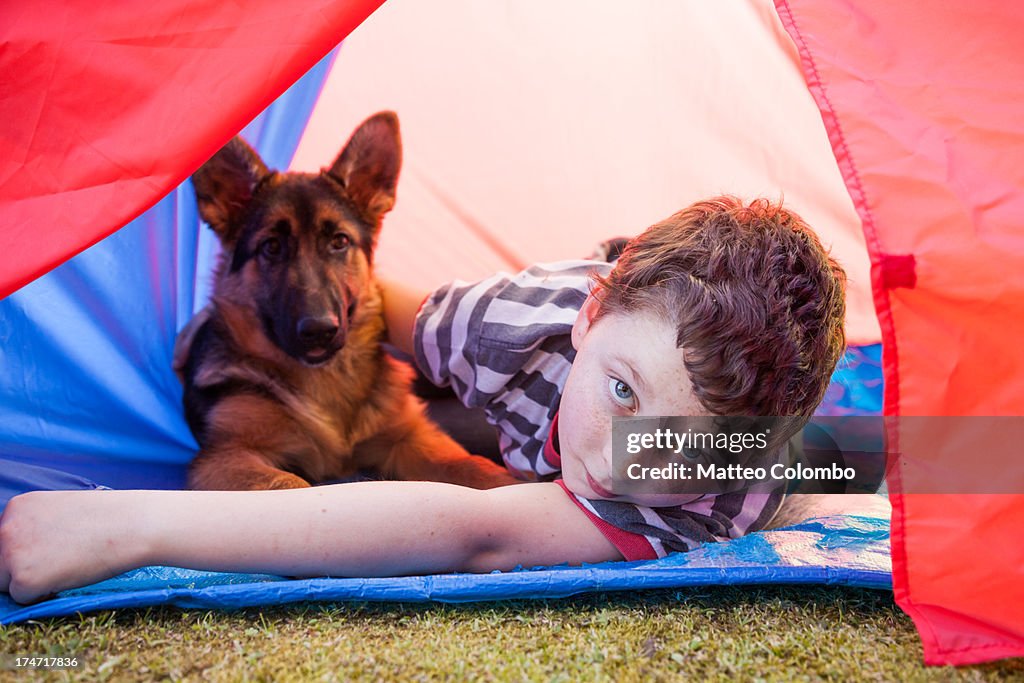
(225, 184)
(368, 165)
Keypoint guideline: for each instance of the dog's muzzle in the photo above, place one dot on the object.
(320, 338)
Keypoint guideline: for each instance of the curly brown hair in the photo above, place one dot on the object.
(757, 301)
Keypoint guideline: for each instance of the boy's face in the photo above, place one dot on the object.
(626, 365)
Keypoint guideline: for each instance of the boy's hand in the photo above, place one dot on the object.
(49, 542)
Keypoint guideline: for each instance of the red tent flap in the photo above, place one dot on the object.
(105, 110)
(922, 105)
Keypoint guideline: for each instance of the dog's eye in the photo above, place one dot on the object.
(340, 241)
(271, 247)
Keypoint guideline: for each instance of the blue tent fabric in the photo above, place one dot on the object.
(843, 550)
(856, 387)
(19, 477)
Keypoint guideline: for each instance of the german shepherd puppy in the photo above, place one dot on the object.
(286, 382)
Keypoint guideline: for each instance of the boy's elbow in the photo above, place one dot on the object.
(483, 560)
(532, 525)
(401, 304)
(500, 551)
(489, 548)
(490, 539)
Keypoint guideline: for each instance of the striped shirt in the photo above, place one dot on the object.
(503, 344)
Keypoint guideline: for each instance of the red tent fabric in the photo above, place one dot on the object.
(107, 107)
(922, 105)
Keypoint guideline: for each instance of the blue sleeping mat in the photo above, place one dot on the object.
(841, 550)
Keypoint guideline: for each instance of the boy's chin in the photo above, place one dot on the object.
(580, 482)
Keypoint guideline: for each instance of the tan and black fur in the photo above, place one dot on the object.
(286, 382)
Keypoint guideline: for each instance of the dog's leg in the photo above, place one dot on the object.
(245, 445)
(238, 470)
(430, 454)
(416, 449)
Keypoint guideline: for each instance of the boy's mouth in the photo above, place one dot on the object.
(597, 488)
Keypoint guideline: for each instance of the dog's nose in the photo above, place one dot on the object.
(318, 331)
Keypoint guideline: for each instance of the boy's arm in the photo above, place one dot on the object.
(55, 540)
(401, 302)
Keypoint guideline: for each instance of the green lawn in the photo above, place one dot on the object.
(720, 633)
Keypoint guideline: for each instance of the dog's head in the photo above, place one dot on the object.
(298, 247)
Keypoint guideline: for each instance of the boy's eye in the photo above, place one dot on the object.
(621, 392)
(693, 453)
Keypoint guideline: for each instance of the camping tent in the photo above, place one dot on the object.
(531, 131)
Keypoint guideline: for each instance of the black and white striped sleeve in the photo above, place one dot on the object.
(476, 337)
(446, 339)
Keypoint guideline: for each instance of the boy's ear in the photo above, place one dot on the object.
(584, 319)
(225, 184)
(368, 165)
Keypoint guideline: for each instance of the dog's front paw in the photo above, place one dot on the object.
(239, 470)
(486, 474)
(287, 481)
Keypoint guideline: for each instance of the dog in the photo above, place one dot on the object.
(286, 382)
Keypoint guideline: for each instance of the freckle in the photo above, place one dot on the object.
(323, 509)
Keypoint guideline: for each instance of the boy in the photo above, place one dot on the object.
(723, 308)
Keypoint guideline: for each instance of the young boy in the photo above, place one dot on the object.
(723, 308)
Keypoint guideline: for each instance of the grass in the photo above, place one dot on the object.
(719, 633)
